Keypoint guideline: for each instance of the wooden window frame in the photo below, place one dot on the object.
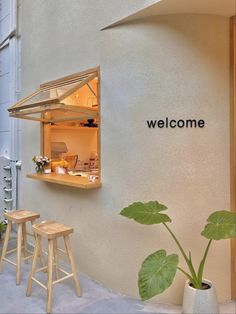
(233, 145)
(73, 181)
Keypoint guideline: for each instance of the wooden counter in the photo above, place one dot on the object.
(65, 179)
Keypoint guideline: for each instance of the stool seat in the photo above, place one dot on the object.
(20, 216)
(52, 229)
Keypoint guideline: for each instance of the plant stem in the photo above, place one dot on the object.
(202, 263)
(176, 241)
(185, 273)
(189, 263)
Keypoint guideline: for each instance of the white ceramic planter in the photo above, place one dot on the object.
(200, 301)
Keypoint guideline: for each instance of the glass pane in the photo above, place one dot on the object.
(67, 115)
(49, 95)
(86, 96)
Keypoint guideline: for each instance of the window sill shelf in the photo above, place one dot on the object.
(72, 127)
(65, 179)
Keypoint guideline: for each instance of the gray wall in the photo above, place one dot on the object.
(176, 66)
(10, 129)
(5, 26)
(9, 79)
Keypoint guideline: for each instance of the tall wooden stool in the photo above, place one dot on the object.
(52, 230)
(20, 217)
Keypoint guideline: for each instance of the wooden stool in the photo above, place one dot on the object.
(52, 230)
(20, 217)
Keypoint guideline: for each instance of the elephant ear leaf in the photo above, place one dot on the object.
(221, 225)
(146, 213)
(156, 274)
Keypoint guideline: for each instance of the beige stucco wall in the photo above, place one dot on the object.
(170, 66)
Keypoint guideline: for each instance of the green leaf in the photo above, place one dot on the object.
(3, 226)
(146, 213)
(221, 225)
(202, 264)
(157, 274)
(186, 274)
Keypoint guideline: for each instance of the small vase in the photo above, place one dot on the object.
(200, 301)
(39, 170)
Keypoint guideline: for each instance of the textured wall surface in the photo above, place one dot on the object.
(175, 66)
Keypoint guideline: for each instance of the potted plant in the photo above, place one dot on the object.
(41, 162)
(3, 227)
(159, 269)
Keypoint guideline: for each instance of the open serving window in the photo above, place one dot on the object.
(69, 112)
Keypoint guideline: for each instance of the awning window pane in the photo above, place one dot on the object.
(70, 98)
(47, 96)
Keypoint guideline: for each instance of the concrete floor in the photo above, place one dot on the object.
(95, 298)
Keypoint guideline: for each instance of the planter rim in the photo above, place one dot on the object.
(208, 282)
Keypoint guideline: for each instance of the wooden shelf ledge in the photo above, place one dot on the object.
(73, 127)
(65, 179)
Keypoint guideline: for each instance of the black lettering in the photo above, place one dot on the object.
(171, 125)
(160, 123)
(151, 123)
(178, 123)
(191, 123)
(188, 123)
(201, 123)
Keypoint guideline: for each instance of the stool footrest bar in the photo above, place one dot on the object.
(62, 279)
(30, 256)
(63, 271)
(39, 283)
(14, 250)
(41, 269)
(62, 251)
(11, 251)
(9, 261)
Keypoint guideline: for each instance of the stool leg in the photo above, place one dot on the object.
(40, 255)
(72, 263)
(33, 266)
(5, 245)
(40, 252)
(18, 263)
(25, 242)
(50, 269)
(55, 257)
